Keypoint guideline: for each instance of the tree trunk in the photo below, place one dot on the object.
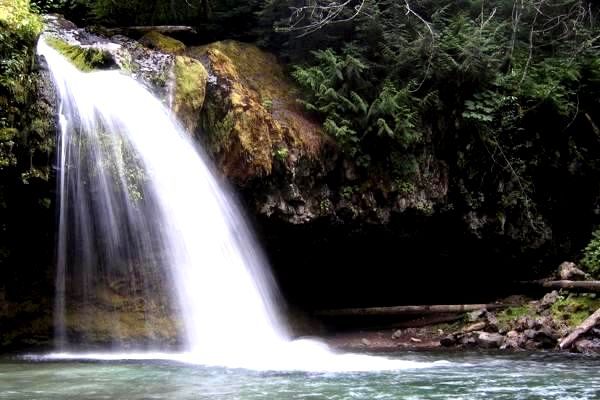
(586, 286)
(407, 310)
(585, 326)
(149, 28)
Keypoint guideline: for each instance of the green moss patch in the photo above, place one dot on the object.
(574, 309)
(509, 315)
(85, 58)
(190, 90)
(166, 44)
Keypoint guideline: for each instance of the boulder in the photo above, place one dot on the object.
(448, 341)
(490, 340)
(250, 120)
(588, 346)
(544, 337)
(548, 300)
(513, 340)
(469, 340)
(189, 90)
(568, 271)
(492, 322)
(523, 323)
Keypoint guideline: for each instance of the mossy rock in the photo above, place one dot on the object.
(116, 318)
(190, 89)
(250, 113)
(158, 41)
(84, 58)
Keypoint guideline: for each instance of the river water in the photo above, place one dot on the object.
(464, 376)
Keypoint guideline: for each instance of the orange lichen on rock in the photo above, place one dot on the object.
(250, 116)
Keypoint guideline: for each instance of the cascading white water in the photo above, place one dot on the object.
(134, 189)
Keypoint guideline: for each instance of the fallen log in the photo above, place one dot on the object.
(406, 310)
(585, 326)
(150, 28)
(589, 286)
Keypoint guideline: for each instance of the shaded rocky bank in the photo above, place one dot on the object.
(525, 325)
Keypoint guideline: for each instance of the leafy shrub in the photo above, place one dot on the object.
(360, 116)
(591, 255)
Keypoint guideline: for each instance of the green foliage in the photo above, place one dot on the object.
(267, 104)
(53, 6)
(574, 309)
(503, 94)
(22, 133)
(19, 28)
(591, 255)
(281, 153)
(339, 91)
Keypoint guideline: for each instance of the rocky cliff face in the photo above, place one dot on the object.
(276, 153)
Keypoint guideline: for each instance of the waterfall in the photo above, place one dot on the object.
(140, 208)
(133, 188)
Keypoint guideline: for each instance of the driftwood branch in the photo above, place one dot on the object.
(407, 310)
(150, 28)
(585, 326)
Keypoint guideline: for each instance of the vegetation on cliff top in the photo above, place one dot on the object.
(19, 29)
(504, 93)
